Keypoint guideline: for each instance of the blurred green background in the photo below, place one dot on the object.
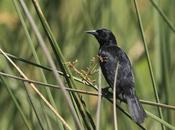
(69, 19)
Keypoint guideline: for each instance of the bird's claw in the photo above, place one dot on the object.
(122, 97)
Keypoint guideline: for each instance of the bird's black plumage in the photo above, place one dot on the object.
(110, 55)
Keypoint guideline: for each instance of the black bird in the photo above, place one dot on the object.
(110, 55)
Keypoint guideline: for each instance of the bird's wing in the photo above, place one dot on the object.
(125, 77)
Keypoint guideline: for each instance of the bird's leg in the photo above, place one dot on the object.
(106, 92)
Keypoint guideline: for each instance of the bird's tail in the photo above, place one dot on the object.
(135, 109)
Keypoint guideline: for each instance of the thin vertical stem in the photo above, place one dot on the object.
(114, 99)
(149, 61)
(80, 109)
(16, 4)
(99, 101)
(51, 62)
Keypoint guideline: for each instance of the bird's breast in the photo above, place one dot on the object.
(108, 67)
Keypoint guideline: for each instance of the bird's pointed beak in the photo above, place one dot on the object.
(92, 32)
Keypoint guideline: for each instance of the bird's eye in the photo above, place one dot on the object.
(102, 33)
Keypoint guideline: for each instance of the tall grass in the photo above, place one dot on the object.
(71, 103)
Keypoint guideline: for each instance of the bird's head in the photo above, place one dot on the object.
(104, 36)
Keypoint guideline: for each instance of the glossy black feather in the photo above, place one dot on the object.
(110, 54)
